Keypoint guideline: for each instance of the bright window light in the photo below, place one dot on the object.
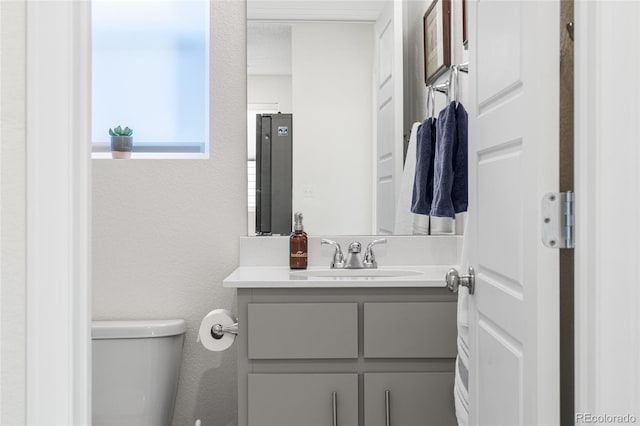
(150, 72)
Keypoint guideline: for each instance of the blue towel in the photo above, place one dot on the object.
(450, 183)
(423, 180)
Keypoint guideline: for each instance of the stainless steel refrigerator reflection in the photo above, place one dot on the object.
(274, 174)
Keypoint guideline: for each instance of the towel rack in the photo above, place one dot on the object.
(445, 87)
(442, 87)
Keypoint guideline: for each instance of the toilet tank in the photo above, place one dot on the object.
(136, 366)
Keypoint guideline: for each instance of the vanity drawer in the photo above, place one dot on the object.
(410, 330)
(302, 330)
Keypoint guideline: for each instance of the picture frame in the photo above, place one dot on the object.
(465, 36)
(436, 25)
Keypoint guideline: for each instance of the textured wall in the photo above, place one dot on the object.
(12, 212)
(262, 89)
(165, 232)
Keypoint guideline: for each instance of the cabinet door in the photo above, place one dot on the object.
(303, 399)
(413, 399)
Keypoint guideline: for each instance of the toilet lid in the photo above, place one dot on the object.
(137, 329)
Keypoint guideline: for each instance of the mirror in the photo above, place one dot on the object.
(337, 68)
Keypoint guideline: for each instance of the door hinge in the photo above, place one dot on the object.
(558, 219)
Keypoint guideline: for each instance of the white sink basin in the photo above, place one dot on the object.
(354, 273)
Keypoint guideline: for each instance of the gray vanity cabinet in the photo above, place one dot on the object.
(298, 347)
(303, 399)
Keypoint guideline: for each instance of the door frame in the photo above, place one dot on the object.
(58, 97)
(58, 212)
(607, 381)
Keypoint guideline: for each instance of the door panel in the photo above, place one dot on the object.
(513, 162)
(502, 375)
(499, 49)
(389, 107)
(498, 175)
(504, 299)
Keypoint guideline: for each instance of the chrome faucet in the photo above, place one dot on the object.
(353, 256)
(353, 260)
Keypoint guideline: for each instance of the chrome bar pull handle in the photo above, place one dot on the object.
(454, 280)
(334, 397)
(387, 406)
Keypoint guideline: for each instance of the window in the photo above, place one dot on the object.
(150, 72)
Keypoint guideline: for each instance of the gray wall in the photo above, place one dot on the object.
(415, 92)
(165, 232)
(12, 212)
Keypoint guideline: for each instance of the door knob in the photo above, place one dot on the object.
(455, 280)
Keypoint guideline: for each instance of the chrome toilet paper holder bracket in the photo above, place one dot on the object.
(218, 330)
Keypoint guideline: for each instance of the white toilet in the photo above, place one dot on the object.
(136, 366)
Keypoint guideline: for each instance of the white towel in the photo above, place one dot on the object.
(461, 383)
(461, 401)
(442, 226)
(404, 221)
(420, 224)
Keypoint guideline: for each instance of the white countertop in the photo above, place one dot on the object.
(283, 277)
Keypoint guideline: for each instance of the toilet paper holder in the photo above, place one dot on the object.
(218, 330)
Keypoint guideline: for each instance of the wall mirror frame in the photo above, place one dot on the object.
(351, 75)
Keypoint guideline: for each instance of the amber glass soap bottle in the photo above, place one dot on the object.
(298, 245)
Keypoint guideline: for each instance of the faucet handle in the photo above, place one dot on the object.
(338, 257)
(369, 258)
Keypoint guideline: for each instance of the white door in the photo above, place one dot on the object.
(388, 88)
(513, 162)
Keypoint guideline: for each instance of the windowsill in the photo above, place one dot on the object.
(154, 151)
(154, 156)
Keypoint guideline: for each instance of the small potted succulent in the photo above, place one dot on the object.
(121, 142)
